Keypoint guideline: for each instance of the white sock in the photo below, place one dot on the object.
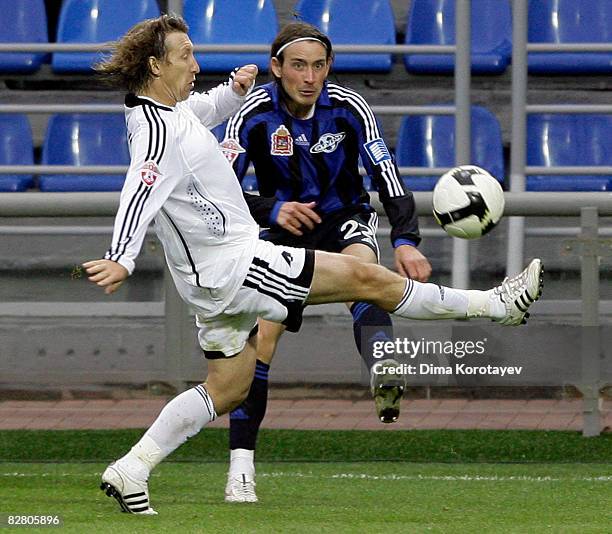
(242, 461)
(183, 417)
(430, 301)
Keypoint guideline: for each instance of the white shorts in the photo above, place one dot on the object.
(275, 288)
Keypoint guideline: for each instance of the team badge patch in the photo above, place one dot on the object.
(149, 173)
(231, 149)
(378, 151)
(327, 143)
(282, 142)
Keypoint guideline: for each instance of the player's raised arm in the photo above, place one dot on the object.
(214, 106)
(397, 201)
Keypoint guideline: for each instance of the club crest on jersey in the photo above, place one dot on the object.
(327, 143)
(378, 151)
(282, 142)
(149, 173)
(231, 149)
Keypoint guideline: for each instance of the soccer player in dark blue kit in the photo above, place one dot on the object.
(305, 137)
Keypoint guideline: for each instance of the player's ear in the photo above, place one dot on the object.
(330, 62)
(154, 66)
(328, 67)
(275, 66)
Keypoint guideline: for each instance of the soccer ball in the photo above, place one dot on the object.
(467, 202)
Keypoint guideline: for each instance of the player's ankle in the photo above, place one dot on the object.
(242, 461)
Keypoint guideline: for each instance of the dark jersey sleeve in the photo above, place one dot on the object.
(380, 164)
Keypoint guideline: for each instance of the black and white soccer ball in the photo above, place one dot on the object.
(468, 202)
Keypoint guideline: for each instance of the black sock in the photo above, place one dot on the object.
(370, 324)
(246, 419)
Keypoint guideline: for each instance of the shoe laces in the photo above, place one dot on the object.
(248, 488)
(510, 286)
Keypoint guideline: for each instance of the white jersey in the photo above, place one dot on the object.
(179, 176)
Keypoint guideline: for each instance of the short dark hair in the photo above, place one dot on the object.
(299, 30)
(128, 65)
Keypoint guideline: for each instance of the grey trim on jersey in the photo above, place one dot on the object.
(388, 169)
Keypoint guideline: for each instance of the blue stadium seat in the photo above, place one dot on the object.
(570, 21)
(96, 21)
(15, 149)
(22, 21)
(569, 140)
(353, 22)
(85, 139)
(429, 141)
(432, 22)
(231, 22)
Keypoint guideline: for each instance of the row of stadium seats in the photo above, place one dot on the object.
(424, 141)
(345, 21)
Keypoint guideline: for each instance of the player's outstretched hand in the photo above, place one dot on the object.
(244, 79)
(292, 216)
(410, 263)
(106, 273)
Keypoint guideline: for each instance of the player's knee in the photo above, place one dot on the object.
(238, 395)
(367, 275)
(266, 347)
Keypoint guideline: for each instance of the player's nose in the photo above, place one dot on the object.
(309, 75)
(195, 67)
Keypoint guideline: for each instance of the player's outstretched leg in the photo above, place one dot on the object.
(506, 304)
(339, 277)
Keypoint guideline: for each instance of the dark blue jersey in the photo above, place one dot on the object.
(317, 159)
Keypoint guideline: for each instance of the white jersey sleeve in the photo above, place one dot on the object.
(219, 103)
(154, 171)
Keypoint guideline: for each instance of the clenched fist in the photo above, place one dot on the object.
(244, 79)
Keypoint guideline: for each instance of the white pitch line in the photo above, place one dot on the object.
(458, 478)
(366, 476)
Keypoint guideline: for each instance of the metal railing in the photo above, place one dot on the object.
(520, 108)
(589, 246)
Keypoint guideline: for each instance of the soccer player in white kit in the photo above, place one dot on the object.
(179, 177)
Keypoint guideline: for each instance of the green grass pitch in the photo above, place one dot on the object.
(474, 481)
(327, 497)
